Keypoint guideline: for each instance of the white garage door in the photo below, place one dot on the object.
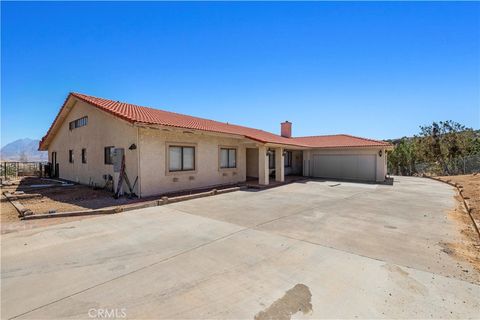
(355, 167)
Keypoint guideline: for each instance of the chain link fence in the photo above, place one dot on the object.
(460, 165)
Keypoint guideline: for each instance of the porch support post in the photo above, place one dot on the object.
(279, 165)
(263, 171)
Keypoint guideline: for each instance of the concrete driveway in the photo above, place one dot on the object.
(316, 249)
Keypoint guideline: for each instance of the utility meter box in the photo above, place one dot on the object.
(117, 159)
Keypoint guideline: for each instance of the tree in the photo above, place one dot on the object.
(445, 141)
(439, 148)
(403, 158)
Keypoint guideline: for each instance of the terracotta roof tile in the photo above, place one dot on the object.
(339, 140)
(138, 114)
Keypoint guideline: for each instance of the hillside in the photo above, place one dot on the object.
(23, 150)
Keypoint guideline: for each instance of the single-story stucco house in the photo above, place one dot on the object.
(166, 151)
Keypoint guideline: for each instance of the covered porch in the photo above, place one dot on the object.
(273, 164)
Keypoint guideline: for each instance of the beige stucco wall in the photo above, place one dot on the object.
(381, 161)
(101, 131)
(155, 179)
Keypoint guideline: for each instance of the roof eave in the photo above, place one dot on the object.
(64, 109)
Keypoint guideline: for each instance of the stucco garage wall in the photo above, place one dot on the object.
(101, 131)
(380, 161)
(153, 161)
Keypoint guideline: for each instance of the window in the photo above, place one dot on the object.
(271, 160)
(181, 158)
(108, 154)
(78, 123)
(70, 156)
(228, 158)
(288, 159)
(84, 155)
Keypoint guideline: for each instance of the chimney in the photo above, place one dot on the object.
(286, 129)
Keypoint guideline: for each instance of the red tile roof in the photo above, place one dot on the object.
(138, 114)
(339, 140)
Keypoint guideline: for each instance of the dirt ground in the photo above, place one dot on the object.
(9, 213)
(57, 198)
(471, 190)
(64, 198)
(71, 198)
(469, 249)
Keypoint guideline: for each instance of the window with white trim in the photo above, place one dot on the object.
(181, 158)
(228, 158)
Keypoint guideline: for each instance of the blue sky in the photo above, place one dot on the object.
(371, 69)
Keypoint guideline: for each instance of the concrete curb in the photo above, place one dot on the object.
(128, 207)
(70, 214)
(466, 203)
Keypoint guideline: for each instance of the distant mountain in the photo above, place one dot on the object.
(23, 150)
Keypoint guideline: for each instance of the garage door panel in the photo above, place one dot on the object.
(366, 167)
(356, 167)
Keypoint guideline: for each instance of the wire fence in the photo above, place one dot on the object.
(13, 169)
(456, 166)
